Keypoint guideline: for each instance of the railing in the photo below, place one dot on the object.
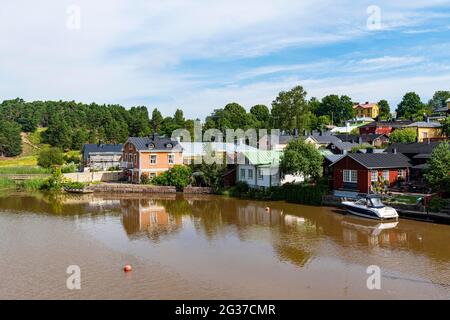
(126, 165)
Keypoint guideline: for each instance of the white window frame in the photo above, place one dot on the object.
(260, 174)
(156, 159)
(242, 174)
(250, 174)
(130, 157)
(350, 176)
(135, 158)
(401, 173)
(171, 156)
(374, 175)
(384, 175)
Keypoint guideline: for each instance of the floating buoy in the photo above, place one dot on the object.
(127, 268)
(267, 209)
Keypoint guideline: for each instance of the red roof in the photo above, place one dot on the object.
(366, 105)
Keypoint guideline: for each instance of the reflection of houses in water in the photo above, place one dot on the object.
(102, 204)
(146, 215)
(376, 233)
(252, 214)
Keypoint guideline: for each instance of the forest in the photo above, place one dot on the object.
(68, 124)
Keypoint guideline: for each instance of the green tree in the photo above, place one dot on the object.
(438, 100)
(209, 175)
(438, 173)
(406, 135)
(139, 123)
(288, 110)
(49, 157)
(302, 158)
(339, 109)
(179, 176)
(385, 110)
(10, 140)
(410, 106)
(179, 118)
(446, 127)
(262, 114)
(156, 121)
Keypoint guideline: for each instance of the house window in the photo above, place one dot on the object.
(242, 173)
(386, 175)
(135, 158)
(401, 173)
(374, 175)
(153, 159)
(425, 135)
(152, 175)
(171, 158)
(260, 174)
(350, 176)
(250, 173)
(130, 157)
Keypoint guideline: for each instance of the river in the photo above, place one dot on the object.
(212, 247)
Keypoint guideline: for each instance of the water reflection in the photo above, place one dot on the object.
(295, 232)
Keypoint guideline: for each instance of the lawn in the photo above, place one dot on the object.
(24, 170)
(19, 162)
(403, 199)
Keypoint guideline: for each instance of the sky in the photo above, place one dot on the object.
(200, 55)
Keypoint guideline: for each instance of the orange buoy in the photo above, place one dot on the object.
(127, 268)
(267, 208)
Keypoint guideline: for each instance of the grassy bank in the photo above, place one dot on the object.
(24, 170)
(26, 185)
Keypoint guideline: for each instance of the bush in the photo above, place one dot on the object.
(31, 185)
(75, 185)
(50, 157)
(179, 176)
(436, 204)
(145, 179)
(116, 168)
(69, 168)
(55, 182)
(304, 193)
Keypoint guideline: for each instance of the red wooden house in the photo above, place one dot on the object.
(357, 172)
(382, 127)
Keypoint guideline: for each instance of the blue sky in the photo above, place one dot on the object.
(201, 55)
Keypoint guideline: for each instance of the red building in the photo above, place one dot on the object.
(357, 172)
(382, 127)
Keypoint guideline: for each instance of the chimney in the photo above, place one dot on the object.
(394, 151)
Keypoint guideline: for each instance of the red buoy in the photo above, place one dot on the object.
(127, 268)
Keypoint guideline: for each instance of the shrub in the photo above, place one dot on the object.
(50, 157)
(69, 168)
(75, 185)
(55, 182)
(145, 179)
(179, 176)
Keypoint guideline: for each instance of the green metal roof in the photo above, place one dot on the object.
(262, 157)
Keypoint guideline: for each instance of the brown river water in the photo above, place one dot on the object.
(211, 247)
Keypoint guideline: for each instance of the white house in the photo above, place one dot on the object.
(261, 169)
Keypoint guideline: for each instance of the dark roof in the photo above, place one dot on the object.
(380, 160)
(325, 137)
(345, 145)
(99, 148)
(355, 137)
(393, 124)
(414, 147)
(154, 143)
(285, 139)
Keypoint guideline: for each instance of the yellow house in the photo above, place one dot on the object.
(448, 104)
(427, 131)
(370, 110)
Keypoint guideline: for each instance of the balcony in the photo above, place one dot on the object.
(126, 165)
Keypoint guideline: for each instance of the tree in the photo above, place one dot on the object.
(438, 172)
(209, 175)
(262, 114)
(49, 157)
(446, 127)
(410, 106)
(385, 110)
(179, 118)
(438, 100)
(406, 135)
(288, 110)
(179, 176)
(156, 120)
(339, 109)
(139, 123)
(301, 158)
(10, 139)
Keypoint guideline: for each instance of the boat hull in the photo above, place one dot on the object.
(371, 213)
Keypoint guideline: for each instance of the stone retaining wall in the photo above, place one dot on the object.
(198, 190)
(131, 188)
(101, 176)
